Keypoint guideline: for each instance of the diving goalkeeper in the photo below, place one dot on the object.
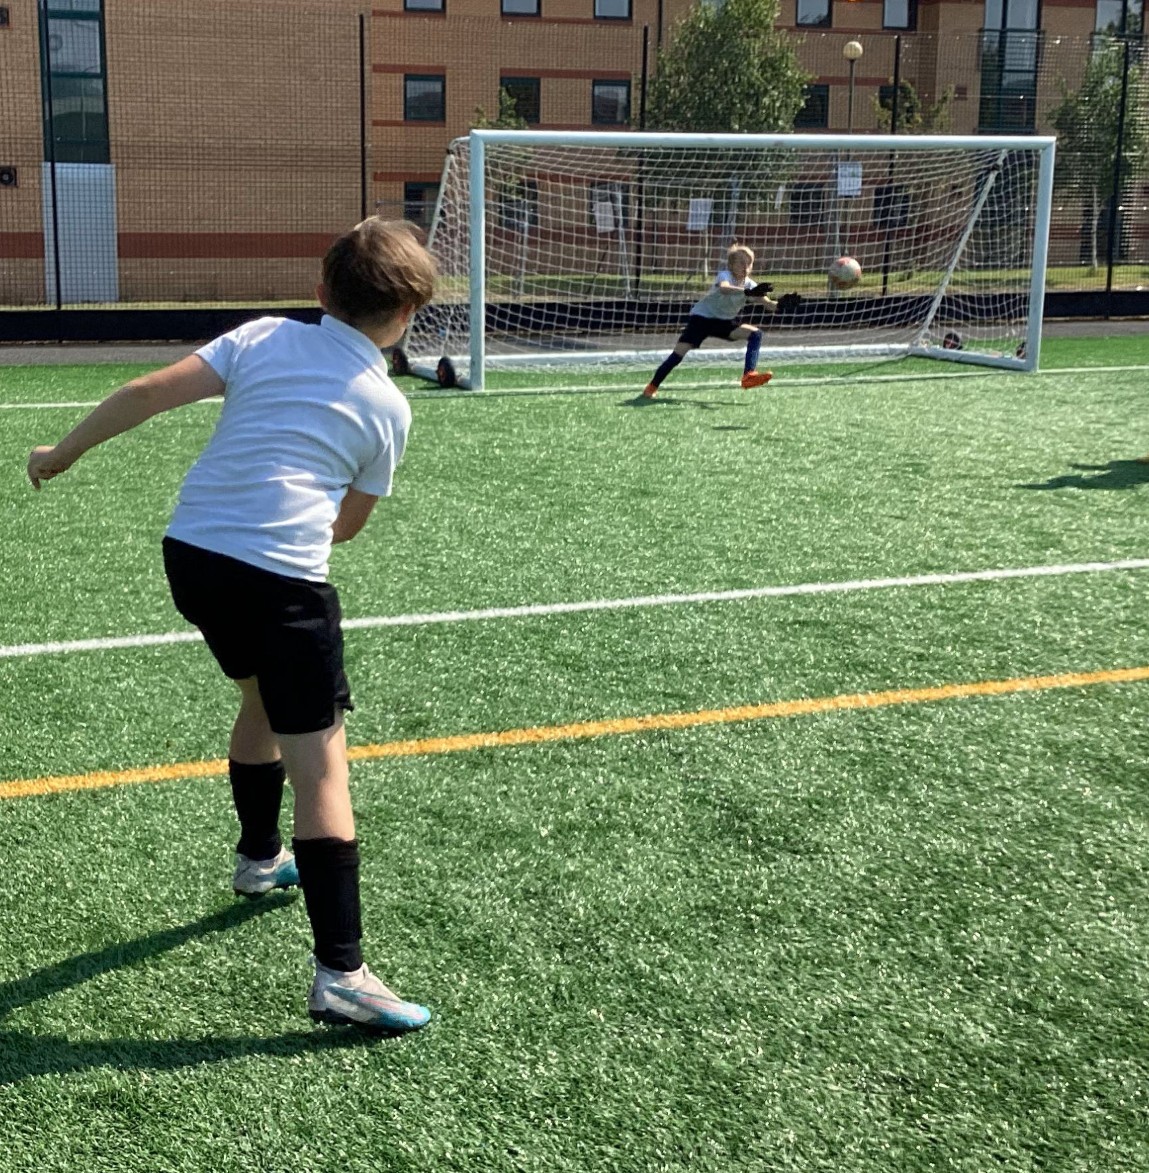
(714, 316)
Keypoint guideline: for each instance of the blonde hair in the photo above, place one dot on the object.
(740, 250)
(378, 268)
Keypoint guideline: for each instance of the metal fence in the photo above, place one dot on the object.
(159, 154)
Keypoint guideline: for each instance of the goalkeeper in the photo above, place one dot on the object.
(713, 316)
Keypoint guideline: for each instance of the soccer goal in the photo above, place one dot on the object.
(581, 247)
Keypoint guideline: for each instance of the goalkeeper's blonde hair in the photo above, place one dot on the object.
(740, 250)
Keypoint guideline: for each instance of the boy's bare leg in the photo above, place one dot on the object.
(252, 740)
(317, 767)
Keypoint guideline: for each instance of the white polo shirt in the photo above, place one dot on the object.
(308, 412)
(719, 304)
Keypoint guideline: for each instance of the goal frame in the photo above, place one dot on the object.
(1043, 146)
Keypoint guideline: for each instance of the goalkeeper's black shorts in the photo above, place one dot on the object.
(698, 329)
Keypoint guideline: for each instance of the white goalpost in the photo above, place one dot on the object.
(586, 247)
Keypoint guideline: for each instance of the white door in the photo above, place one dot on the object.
(85, 220)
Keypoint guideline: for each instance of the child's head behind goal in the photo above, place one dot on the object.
(739, 254)
(376, 270)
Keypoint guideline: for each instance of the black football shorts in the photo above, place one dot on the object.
(284, 631)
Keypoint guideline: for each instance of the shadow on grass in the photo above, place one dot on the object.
(26, 1055)
(1117, 474)
(673, 401)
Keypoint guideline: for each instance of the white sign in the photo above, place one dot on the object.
(604, 215)
(698, 218)
(849, 179)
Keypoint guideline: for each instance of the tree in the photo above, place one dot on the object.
(913, 116)
(1086, 122)
(728, 70)
(508, 117)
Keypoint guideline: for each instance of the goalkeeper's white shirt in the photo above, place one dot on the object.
(307, 413)
(718, 304)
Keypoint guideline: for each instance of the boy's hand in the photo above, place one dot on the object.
(45, 463)
(760, 290)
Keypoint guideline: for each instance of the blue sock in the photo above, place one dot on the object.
(668, 364)
(753, 346)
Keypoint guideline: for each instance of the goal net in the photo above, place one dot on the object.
(587, 247)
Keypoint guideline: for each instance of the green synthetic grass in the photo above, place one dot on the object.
(909, 939)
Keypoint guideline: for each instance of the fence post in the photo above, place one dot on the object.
(890, 166)
(50, 142)
(363, 117)
(1118, 161)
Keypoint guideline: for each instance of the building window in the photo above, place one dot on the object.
(419, 202)
(612, 9)
(518, 206)
(1010, 46)
(891, 206)
(73, 82)
(807, 204)
(815, 112)
(521, 7)
(424, 5)
(424, 97)
(610, 103)
(814, 13)
(524, 92)
(608, 205)
(1108, 19)
(900, 14)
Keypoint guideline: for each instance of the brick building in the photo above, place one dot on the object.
(207, 151)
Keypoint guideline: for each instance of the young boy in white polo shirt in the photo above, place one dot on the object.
(307, 441)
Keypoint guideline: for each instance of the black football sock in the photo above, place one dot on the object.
(329, 875)
(668, 364)
(257, 791)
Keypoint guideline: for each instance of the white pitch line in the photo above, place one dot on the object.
(681, 384)
(429, 618)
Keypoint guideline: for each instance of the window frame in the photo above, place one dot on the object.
(410, 200)
(611, 81)
(441, 78)
(611, 16)
(610, 187)
(820, 90)
(911, 24)
(538, 95)
(1134, 29)
(95, 149)
(803, 211)
(826, 22)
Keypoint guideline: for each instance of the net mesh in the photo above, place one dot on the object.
(595, 253)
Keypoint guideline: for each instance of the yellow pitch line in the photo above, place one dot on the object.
(26, 787)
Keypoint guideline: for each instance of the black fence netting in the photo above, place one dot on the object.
(168, 153)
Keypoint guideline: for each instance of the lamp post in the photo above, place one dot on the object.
(852, 51)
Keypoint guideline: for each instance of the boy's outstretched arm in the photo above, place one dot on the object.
(186, 381)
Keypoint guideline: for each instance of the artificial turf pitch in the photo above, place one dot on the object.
(908, 938)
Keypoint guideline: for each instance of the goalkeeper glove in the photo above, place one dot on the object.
(760, 290)
(789, 302)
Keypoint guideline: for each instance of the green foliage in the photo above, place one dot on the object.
(914, 116)
(508, 117)
(728, 70)
(1086, 122)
